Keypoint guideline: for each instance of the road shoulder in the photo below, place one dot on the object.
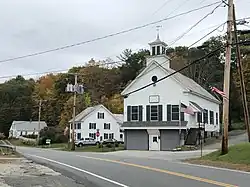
(23, 172)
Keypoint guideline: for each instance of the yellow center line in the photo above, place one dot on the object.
(163, 171)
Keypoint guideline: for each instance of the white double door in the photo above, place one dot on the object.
(154, 143)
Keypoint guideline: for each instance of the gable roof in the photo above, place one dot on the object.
(119, 117)
(28, 125)
(85, 113)
(81, 116)
(189, 84)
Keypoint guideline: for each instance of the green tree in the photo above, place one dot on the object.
(15, 101)
(134, 63)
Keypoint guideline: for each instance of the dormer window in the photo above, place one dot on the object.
(153, 50)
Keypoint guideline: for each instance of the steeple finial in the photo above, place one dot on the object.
(158, 31)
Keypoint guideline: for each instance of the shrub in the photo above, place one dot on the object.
(55, 134)
(31, 136)
(61, 138)
(100, 145)
(109, 145)
(29, 142)
(116, 144)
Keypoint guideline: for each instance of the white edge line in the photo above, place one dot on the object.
(81, 170)
(212, 167)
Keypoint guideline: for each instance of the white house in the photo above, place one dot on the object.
(152, 116)
(20, 128)
(98, 119)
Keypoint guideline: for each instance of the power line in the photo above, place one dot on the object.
(107, 36)
(54, 71)
(162, 6)
(181, 69)
(165, 77)
(62, 70)
(193, 26)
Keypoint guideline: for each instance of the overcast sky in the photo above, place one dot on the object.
(30, 26)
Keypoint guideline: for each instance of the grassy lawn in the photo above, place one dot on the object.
(96, 149)
(238, 157)
(54, 145)
(19, 142)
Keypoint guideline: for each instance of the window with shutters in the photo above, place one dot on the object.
(79, 136)
(92, 135)
(154, 113)
(78, 125)
(135, 113)
(205, 116)
(175, 112)
(100, 115)
(106, 136)
(211, 115)
(106, 125)
(111, 136)
(199, 117)
(92, 125)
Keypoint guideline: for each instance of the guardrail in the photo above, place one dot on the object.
(5, 144)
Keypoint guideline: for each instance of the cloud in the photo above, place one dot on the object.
(29, 26)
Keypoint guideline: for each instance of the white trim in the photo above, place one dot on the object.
(146, 69)
(131, 114)
(155, 127)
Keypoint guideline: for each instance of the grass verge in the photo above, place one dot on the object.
(96, 149)
(238, 158)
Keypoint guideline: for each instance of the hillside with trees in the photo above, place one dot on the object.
(19, 97)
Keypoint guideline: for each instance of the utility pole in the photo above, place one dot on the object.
(224, 145)
(76, 89)
(39, 120)
(241, 75)
(74, 116)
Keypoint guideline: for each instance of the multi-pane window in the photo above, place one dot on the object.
(175, 112)
(79, 136)
(92, 125)
(211, 115)
(199, 117)
(71, 126)
(92, 135)
(106, 136)
(205, 116)
(135, 113)
(106, 125)
(111, 136)
(78, 125)
(100, 115)
(217, 118)
(154, 112)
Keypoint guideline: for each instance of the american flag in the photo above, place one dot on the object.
(187, 109)
(214, 89)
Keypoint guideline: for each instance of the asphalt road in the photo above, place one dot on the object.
(107, 170)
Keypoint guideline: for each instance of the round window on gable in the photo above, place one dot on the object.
(154, 79)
